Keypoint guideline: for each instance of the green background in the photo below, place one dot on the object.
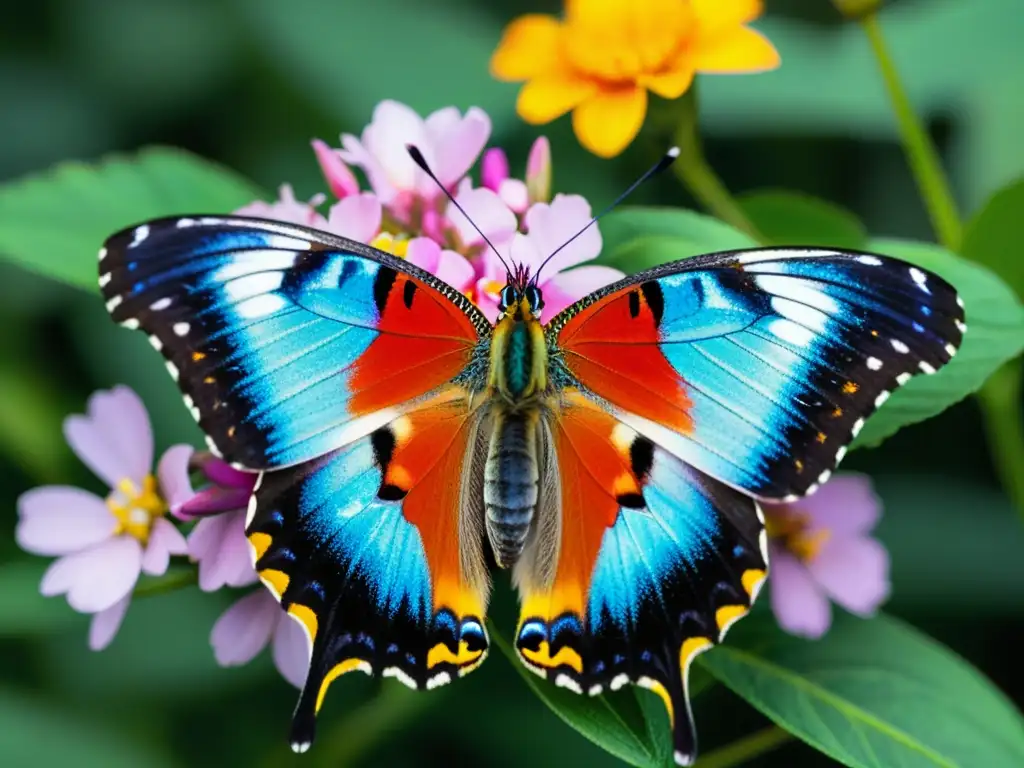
(248, 84)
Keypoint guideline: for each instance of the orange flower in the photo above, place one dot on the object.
(603, 57)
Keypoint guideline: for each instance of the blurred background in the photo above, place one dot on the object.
(249, 84)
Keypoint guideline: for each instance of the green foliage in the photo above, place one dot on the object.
(873, 694)
(995, 236)
(792, 218)
(995, 334)
(55, 222)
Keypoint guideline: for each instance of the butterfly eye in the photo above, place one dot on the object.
(508, 297)
(535, 298)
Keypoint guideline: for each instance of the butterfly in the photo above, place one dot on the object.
(612, 460)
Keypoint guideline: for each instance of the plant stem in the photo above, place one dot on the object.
(921, 153)
(1000, 400)
(693, 170)
(169, 582)
(742, 750)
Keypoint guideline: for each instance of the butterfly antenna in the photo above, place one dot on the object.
(666, 160)
(417, 157)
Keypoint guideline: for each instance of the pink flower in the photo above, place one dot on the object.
(339, 178)
(229, 489)
(820, 549)
(495, 177)
(548, 227)
(450, 143)
(251, 622)
(287, 208)
(104, 544)
(538, 171)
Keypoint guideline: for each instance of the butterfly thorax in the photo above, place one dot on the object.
(519, 361)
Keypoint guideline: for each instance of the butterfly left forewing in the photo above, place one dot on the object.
(377, 549)
(286, 342)
(653, 561)
(759, 367)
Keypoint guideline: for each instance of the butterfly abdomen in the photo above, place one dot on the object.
(510, 484)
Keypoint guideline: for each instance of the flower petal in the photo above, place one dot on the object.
(551, 226)
(566, 288)
(486, 297)
(487, 211)
(59, 520)
(493, 168)
(287, 208)
(220, 472)
(173, 473)
(394, 126)
(607, 121)
(854, 571)
(551, 95)
(713, 16)
(114, 438)
(96, 578)
(341, 181)
(523, 252)
(846, 504)
(164, 540)
(214, 500)
(104, 625)
(538, 171)
(219, 545)
(742, 50)
(423, 253)
(799, 606)
(455, 150)
(244, 629)
(356, 217)
(514, 194)
(291, 651)
(528, 47)
(455, 269)
(353, 151)
(672, 83)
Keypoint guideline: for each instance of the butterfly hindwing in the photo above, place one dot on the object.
(653, 562)
(377, 550)
(286, 341)
(758, 367)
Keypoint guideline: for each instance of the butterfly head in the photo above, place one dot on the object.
(521, 298)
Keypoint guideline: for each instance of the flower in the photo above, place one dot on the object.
(287, 208)
(219, 546)
(102, 545)
(549, 226)
(244, 629)
(603, 57)
(820, 549)
(450, 143)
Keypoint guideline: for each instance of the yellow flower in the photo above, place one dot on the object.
(603, 57)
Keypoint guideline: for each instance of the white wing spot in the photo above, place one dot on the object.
(959, 302)
(874, 363)
(300, 747)
(132, 323)
(564, 681)
(919, 277)
(903, 378)
(155, 343)
(441, 678)
(401, 676)
(160, 304)
(140, 234)
(882, 397)
(595, 690)
(103, 255)
(824, 476)
(900, 347)
(950, 350)
(114, 303)
(871, 261)
(925, 367)
(172, 369)
(618, 681)
(858, 425)
(840, 454)
(181, 329)
(960, 325)
(105, 279)
(185, 222)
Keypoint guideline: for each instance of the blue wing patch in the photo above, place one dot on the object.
(777, 356)
(263, 323)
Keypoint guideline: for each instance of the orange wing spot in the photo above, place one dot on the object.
(305, 615)
(850, 388)
(209, 380)
(424, 341)
(276, 580)
(542, 657)
(799, 465)
(727, 614)
(821, 437)
(260, 543)
(348, 665)
(616, 354)
(441, 654)
(837, 413)
(752, 579)
(197, 356)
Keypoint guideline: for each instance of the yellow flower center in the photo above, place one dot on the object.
(618, 41)
(136, 509)
(396, 246)
(791, 528)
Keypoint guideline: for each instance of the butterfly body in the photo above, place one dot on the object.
(611, 459)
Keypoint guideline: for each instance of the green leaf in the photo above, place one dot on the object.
(995, 334)
(347, 61)
(55, 222)
(873, 694)
(34, 733)
(695, 233)
(621, 722)
(996, 233)
(793, 218)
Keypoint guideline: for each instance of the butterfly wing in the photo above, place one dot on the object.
(648, 565)
(376, 549)
(759, 367)
(286, 341)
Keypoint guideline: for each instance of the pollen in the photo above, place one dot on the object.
(136, 509)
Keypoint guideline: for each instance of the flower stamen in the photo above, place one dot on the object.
(792, 529)
(136, 509)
